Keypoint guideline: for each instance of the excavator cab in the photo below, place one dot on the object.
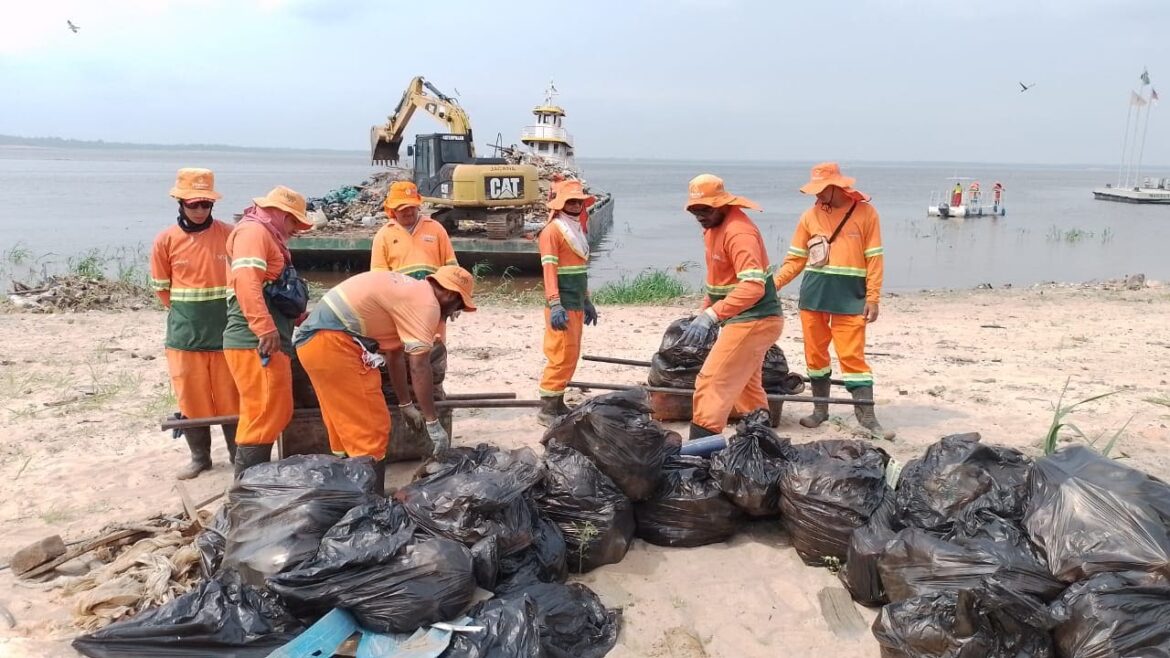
(435, 158)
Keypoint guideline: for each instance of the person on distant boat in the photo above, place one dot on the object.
(957, 195)
(839, 295)
(973, 193)
(409, 243)
(188, 271)
(741, 298)
(257, 340)
(564, 259)
(997, 193)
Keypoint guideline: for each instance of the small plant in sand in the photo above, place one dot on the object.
(1060, 413)
(648, 287)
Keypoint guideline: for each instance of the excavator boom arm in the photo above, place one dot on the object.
(386, 140)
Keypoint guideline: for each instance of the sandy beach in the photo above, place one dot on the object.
(82, 395)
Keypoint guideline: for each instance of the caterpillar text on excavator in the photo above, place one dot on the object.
(458, 185)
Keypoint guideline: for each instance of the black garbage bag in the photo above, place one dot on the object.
(1090, 514)
(829, 489)
(372, 565)
(544, 561)
(1114, 615)
(278, 511)
(511, 629)
(959, 475)
(485, 562)
(776, 377)
(748, 469)
(476, 493)
(688, 508)
(676, 364)
(573, 622)
(210, 543)
(861, 575)
(989, 623)
(220, 617)
(615, 432)
(596, 519)
(917, 563)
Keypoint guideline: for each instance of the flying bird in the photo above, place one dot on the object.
(1024, 87)
(73, 27)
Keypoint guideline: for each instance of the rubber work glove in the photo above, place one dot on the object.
(438, 437)
(590, 312)
(558, 317)
(412, 416)
(697, 331)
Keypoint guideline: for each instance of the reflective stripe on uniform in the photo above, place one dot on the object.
(198, 294)
(160, 284)
(874, 251)
(839, 270)
(248, 261)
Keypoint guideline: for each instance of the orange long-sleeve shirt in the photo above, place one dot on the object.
(566, 278)
(856, 268)
(413, 253)
(738, 287)
(256, 259)
(188, 272)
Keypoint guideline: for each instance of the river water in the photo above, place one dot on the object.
(57, 203)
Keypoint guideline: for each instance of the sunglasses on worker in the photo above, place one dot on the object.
(201, 205)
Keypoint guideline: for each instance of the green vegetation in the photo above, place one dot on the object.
(1062, 410)
(586, 533)
(1075, 235)
(648, 287)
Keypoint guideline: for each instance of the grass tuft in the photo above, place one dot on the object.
(648, 287)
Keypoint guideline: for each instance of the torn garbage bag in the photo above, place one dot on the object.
(1114, 615)
(687, 508)
(278, 511)
(595, 517)
(220, 617)
(371, 565)
(1090, 514)
(959, 475)
(615, 432)
(748, 470)
(829, 489)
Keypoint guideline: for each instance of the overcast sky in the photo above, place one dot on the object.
(878, 80)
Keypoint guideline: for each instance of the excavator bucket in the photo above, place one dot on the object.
(383, 151)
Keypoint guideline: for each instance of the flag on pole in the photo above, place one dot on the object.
(1145, 77)
(1153, 95)
(1136, 99)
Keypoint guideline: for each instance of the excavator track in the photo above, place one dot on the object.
(503, 225)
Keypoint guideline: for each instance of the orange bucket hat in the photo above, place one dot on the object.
(290, 201)
(401, 193)
(829, 173)
(193, 183)
(569, 189)
(708, 190)
(456, 279)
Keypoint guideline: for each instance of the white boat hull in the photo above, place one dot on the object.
(965, 211)
(1132, 195)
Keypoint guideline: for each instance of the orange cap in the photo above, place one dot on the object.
(569, 189)
(402, 193)
(829, 173)
(456, 279)
(194, 183)
(290, 201)
(708, 190)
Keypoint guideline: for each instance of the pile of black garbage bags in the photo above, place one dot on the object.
(973, 550)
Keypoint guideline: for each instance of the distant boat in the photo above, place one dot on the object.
(966, 202)
(1131, 187)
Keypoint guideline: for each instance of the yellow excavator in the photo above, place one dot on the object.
(458, 185)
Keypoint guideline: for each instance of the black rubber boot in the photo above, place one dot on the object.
(866, 415)
(380, 477)
(550, 409)
(248, 456)
(562, 408)
(820, 389)
(229, 439)
(199, 441)
(699, 432)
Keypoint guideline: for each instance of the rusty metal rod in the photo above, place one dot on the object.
(689, 392)
(646, 364)
(183, 423)
(480, 396)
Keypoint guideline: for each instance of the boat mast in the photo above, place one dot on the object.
(1122, 167)
(1145, 128)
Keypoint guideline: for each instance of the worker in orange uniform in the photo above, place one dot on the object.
(564, 259)
(339, 346)
(838, 296)
(258, 338)
(741, 298)
(188, 271)
(409, 243)
(957, 195)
